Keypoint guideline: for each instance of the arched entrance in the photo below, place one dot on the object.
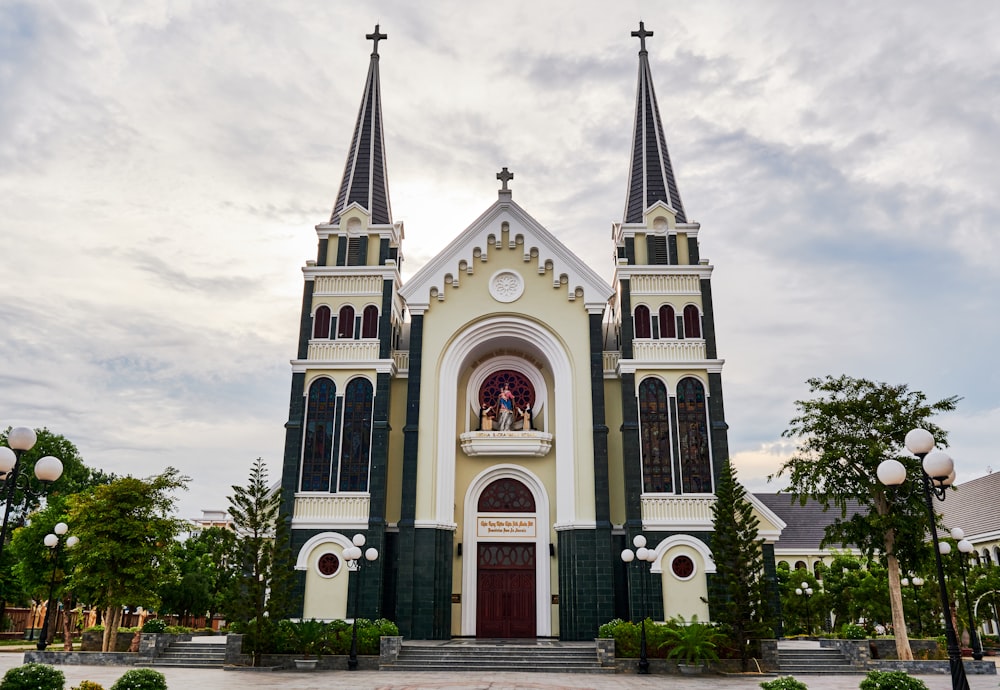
(505, 569)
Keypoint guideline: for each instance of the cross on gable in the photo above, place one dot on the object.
(505, 176)
(376, 37)
(642, 34)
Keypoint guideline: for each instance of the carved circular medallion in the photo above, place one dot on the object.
(506, 286)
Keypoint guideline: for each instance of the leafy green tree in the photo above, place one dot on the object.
(739, 600)
(202, 568)
(126, 526)
(842, 435)
(264, 560)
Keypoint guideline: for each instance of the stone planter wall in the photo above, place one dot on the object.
(81, 658)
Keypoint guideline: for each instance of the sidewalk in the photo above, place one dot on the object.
(178, 678)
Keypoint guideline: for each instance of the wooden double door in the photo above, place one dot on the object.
(505, 593)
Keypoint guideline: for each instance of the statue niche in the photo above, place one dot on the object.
(506, 401)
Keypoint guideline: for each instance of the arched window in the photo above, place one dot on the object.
(369, 322)
(317, 455)
(996, 555)
(668, 324)
(321, 322)
(357, 437)
(506, 495)
(692, 433)
(692, 322)
(345, 322)
(986, 557)
(654, 430)
(642, 327)
(800, 565)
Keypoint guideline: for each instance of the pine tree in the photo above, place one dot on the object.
(739, 600)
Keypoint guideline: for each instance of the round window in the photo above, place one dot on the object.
(328, 564)
(682, 567)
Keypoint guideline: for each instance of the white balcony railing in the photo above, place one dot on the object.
(668, 350)
(341, 286)
(330, 508)
(665, 285)
(343, 350)
(679, 511)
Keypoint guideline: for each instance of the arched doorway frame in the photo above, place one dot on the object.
(454, 360)
(543, 585)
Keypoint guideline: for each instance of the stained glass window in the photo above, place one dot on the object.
(654, 430)
(321, 323)
(321, 413)
(692, 425)
(356, 445)
(519, 385)
(668, 325)
(506, 495)
(642, 327)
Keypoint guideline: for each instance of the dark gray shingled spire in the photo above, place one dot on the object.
(651, 177)
(365, 179)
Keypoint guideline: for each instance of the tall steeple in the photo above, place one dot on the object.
(366, 181)
(651, 177)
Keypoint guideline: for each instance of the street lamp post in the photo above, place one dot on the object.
(937, 474)
(806, 591)
(915, 582)
(965, 547)
(353, 556)
(48, 469)
(54, 542)
(640, 555)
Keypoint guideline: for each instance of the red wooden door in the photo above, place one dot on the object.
(505, 594)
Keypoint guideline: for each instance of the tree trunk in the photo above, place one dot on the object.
(67, 624)
(107, 629)
(903, 651)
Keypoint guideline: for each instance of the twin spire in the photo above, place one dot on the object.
(651, 176)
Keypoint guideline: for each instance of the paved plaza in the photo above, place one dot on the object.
(189, 679)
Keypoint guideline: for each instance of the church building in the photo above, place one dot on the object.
(504, 423)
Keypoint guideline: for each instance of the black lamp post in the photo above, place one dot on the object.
(640, 555)
(48, 469)
(938, 473)
(54, 542)
(806, 591)
(353, 556)
(965, 547)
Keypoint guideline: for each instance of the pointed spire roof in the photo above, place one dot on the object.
(651, 177)
(366, 181)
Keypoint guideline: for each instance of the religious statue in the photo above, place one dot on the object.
(505, 408)
(486, 418)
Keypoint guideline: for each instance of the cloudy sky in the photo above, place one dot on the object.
(163, 163)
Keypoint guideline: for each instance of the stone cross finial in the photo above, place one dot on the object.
(641, 34)
(376, 37)
(505, 176)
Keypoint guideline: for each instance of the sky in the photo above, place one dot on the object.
(163, 165)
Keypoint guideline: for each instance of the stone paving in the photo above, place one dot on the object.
(189, 679)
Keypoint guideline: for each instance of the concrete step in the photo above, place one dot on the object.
(528, 657)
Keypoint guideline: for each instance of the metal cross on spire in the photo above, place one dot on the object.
(641, 34)
(505, 176)
(376, 37)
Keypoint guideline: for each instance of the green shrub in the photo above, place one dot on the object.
(854, 632)
(628, 637)
(154, 625)
(692, 642)
(88, 685)
(33, 677)
(891, 680)
(177, 630)
(141, 679)
(784, 683)
(94, 628)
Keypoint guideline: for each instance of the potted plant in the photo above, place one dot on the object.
(310, 640)
(692, 644)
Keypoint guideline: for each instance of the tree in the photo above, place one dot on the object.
(202, 568)
(126, 526)
(739, 599)
(842, 434)
(264, 559)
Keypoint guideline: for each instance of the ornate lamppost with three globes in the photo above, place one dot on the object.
(55, 542)
(639, 556)
(965, 548)
(806, 591)
(21, 439)
(353, 556)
